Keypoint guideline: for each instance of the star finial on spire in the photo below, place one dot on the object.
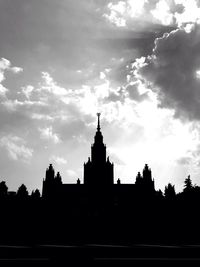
(98, 125)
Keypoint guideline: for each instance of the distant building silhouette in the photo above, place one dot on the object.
(98, 177)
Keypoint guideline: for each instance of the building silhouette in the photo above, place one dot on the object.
(145, 181)
(98, 181)
(98, 170)
(101, 209)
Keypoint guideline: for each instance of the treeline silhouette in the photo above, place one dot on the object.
(101, 217)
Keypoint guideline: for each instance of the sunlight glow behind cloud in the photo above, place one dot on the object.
(144, 132)
(135, 61)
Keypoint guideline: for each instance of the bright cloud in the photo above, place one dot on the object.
(165, 12)
(27, 91)
(16, 148)
(51, 86)
(58, 160)
(190, 12)
(5, 64)
(16, 69)
(116, 13)
(47, 134)
(14, 105)
(3, 90)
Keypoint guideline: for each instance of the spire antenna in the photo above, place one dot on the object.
(98, 125)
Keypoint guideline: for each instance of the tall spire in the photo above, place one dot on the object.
(98, 139)
(98, 125)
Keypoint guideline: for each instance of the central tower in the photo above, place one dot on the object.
(98, 170)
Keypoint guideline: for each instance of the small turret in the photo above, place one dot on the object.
(147, 173)
(139, 179)
(50, 173)
(58, 179)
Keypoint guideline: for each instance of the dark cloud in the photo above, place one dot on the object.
(116, 96)
(171, 71)
(65, 36)
(48, 35)
(134, 93)
(117, 39)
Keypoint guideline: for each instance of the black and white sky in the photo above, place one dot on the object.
(135, 61)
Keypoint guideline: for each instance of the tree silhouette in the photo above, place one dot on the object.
(188, 186)
(170, 191)
(3, 189)
(35, 194)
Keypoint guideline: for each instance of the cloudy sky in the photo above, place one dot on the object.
(135, 61)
